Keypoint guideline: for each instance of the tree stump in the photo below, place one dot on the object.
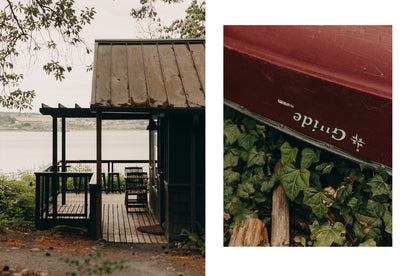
(280, 214)
(251, 232)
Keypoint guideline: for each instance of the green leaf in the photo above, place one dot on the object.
(231, 132)
(231, 176)
(370, 217)
(308, 157)
(245, 189)
(230, 160)
(249, 123)
(259, 197)
(294, 180)
(379, 187)
(375, 208)
(382, 173)
(358, 230)
(357, 175)
(261, 130)
(325, 168)
(267, 186)
(315, 181)
(288, 153)
(370, 243)
(326, 234)
(354, 204)
(388, 221)
(246, 141)
(256, 158)
(343, 193)
(319, 201)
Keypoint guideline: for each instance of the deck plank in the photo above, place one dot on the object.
(117, 225)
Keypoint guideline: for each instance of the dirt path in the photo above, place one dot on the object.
(44, 252)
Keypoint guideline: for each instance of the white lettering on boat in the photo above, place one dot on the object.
(305, 121)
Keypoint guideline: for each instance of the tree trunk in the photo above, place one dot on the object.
(251, 232)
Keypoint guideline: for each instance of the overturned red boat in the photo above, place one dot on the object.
(328, 85)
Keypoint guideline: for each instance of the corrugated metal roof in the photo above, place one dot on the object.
(149, 74)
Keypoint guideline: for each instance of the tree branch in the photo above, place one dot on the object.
(16, 19)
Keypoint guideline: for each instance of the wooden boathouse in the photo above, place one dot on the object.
(162, 82)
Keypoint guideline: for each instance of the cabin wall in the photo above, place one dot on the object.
(185, 177)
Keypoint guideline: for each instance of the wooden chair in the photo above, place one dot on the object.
(136, 189)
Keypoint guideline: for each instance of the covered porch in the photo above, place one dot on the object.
(159, 81)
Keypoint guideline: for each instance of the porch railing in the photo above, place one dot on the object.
(52, 204)
(69, 198)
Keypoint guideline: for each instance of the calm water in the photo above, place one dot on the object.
(20, 150)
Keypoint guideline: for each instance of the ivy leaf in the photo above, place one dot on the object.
(231, 132)
(259, 197)
(246, 141)
(370, 217)
(231, 176)
(230, 160)
(256, 158)
(315, 181)
(308, 157)
(354, 204)
(261, 130)
(369, 242)
(357, 175)
(249, 123)
(375, 208)
(267, 186)
(294, 180)
(379, 187)
(343, 193)
(244, 190)
(319, 201)
(358, 230)
(326, 234)
(325, 168)
(388, 222)
(288, 153)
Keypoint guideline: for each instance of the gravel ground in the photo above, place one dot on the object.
(44, 252)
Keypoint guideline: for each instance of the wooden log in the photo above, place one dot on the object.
(251, 232)
(280, 214)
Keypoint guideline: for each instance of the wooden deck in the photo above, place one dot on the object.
(121, 227)
(117, 225)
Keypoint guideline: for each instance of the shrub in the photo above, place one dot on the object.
(17, 200)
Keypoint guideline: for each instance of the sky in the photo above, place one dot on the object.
(112, 21)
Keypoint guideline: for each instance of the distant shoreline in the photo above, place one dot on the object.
(36, 122)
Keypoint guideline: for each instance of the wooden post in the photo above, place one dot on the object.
(64, 179)
(280, 214)
(55, 180)
(54, 145)
(98, 194)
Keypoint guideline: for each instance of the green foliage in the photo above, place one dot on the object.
(93, 264)
(198, 238)
(248, 176)
(36, 25)
(327, 234)
(17, 201)
(192, 26)
(339, 203)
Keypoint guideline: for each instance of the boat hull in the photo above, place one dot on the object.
(352, 116)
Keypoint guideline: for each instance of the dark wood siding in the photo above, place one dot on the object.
(186, 178)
